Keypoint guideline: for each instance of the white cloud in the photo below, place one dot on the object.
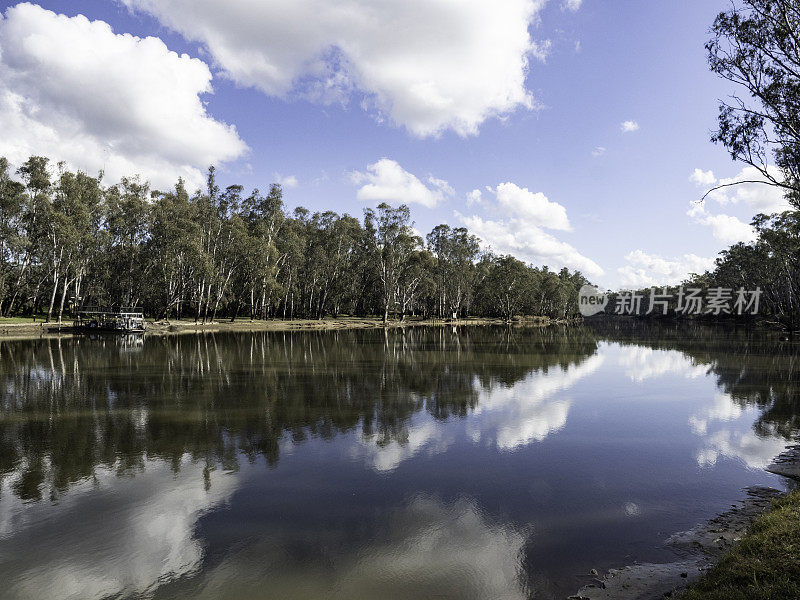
(287, 181)
(73, 90)
(572, 5)
(535, 208)
(755, 197)
(528, 243)
(429, 66)
(703, 178)
(629, 126)
(598, 151)
(645, 270)
(387, 181)
(474, 197)
(726, 228)
(441, 185)
(758, 197)
(541, 50)
(515, 225)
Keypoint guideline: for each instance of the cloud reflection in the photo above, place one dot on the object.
(527, 412)
(506, 416)
(641, 363)
(141, 533)
(426, 549)
(736, 439)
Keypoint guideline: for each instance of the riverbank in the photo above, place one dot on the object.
(19, 328)
(765, 565)
(750, 552)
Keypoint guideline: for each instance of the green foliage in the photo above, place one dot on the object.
(68, 241)
(756, 45)
(771, 263)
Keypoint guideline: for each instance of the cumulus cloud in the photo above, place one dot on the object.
(287, 181)
(703, 178)
(387, 181)
(629, 126)
(646, 270)
(757, 197)
(753, 197)
(73, 90)
(572, 5)
(515, 225)
(533, 207)
(474, 197)
(427, 66)
(725, 228)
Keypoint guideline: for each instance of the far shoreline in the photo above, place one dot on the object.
(39, 329)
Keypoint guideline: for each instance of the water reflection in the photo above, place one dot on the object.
(468, 463)
(427, 549)
(755, 411)
(70, 406)
(529, 411)
(125, 535)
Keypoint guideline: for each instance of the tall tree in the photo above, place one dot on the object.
(756, 45)
(393, 243)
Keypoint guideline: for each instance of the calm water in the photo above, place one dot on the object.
(478, 463)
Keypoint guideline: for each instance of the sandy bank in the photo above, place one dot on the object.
(40, 329)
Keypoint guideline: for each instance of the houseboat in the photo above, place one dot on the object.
(124, 320)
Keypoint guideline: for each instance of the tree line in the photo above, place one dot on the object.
(68, 242)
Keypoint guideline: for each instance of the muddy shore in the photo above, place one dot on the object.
(696, 550)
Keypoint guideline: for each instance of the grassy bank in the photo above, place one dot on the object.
(765, 565)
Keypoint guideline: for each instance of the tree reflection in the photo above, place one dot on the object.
(752, 367)
(70, 406)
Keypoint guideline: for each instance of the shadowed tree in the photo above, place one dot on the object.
(756, 45)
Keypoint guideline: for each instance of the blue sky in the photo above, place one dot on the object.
(524, 103)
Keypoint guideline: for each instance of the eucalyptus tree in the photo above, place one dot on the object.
(175, 249)
(76, 215)
(455, 251)
(12, 240)
(416, 281)
(264, 216)
(291, 249)
(334, 241)
(392, 244)
(128, 225)
(756, 46)
(32, 273)
(508, 285)
(230, 247)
